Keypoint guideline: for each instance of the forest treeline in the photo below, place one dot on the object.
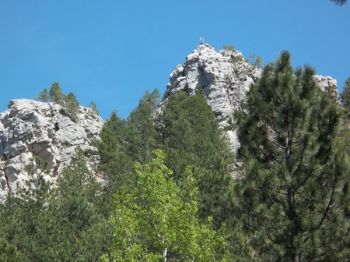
(169, 193)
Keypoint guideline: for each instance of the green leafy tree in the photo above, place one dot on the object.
(44, 96)
(56, 94)
(156, 220)
(293, 196)
(191, 137)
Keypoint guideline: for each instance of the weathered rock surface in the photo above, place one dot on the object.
(327, 84)
(30, 129)
(226, 77)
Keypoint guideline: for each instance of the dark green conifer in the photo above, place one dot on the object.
(293, 194)
(56, 94)
(141, 132)
(72, 106)
(44, 96)
(191, 137)
(62, 223)
(345, 95)
(93, 106)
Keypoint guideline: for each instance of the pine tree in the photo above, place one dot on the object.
(292, 198)
(191, 137)
(44, 96)
(62, 223)
(56, 94)
(115, 164)
(93, 107)
(72, 106)
(345, 96)
(141, 131)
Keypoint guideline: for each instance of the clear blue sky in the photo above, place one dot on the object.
(111, 51)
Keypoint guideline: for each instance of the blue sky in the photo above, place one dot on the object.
(111, 51)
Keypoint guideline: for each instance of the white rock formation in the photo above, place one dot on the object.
(226, 77)
(30, 129)
(327, 84)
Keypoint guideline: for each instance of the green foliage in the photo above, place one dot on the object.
(155, 220)
(72, 106)
(93, 107)
(124, 142)
(191, 137)
(115, 164)
(292, 199)
(345, 96)
(57, 224)
(56, 94)
(141, 133)
(69, 102)
(258, 63)
(44, 96)
(229, 48)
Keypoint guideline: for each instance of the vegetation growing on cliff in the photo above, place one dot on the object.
(168, 193)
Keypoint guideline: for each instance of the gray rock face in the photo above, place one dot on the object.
(31, 129)
(327, 84)
(226, 77)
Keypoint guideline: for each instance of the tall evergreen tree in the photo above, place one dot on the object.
(72, 106)
(141, 132)
(293, 196)
(44, 96)
(63, 223)
(93, 106)
(345, 95)
(191, 137)
(115, 164)
(56, 94)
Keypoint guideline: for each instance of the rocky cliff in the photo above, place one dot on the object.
(30, 129)
(225, 76)
(35, 130)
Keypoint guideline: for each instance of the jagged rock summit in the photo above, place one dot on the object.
(35, 130)
(225, 76)
(31, 129)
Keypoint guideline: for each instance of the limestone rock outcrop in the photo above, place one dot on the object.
(225, 76)
(30, 129)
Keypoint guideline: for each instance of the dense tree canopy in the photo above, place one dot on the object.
(293, 196)
(191, 137)
(345, 96)
(156, 220)
(167, 192)
(57, 224)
